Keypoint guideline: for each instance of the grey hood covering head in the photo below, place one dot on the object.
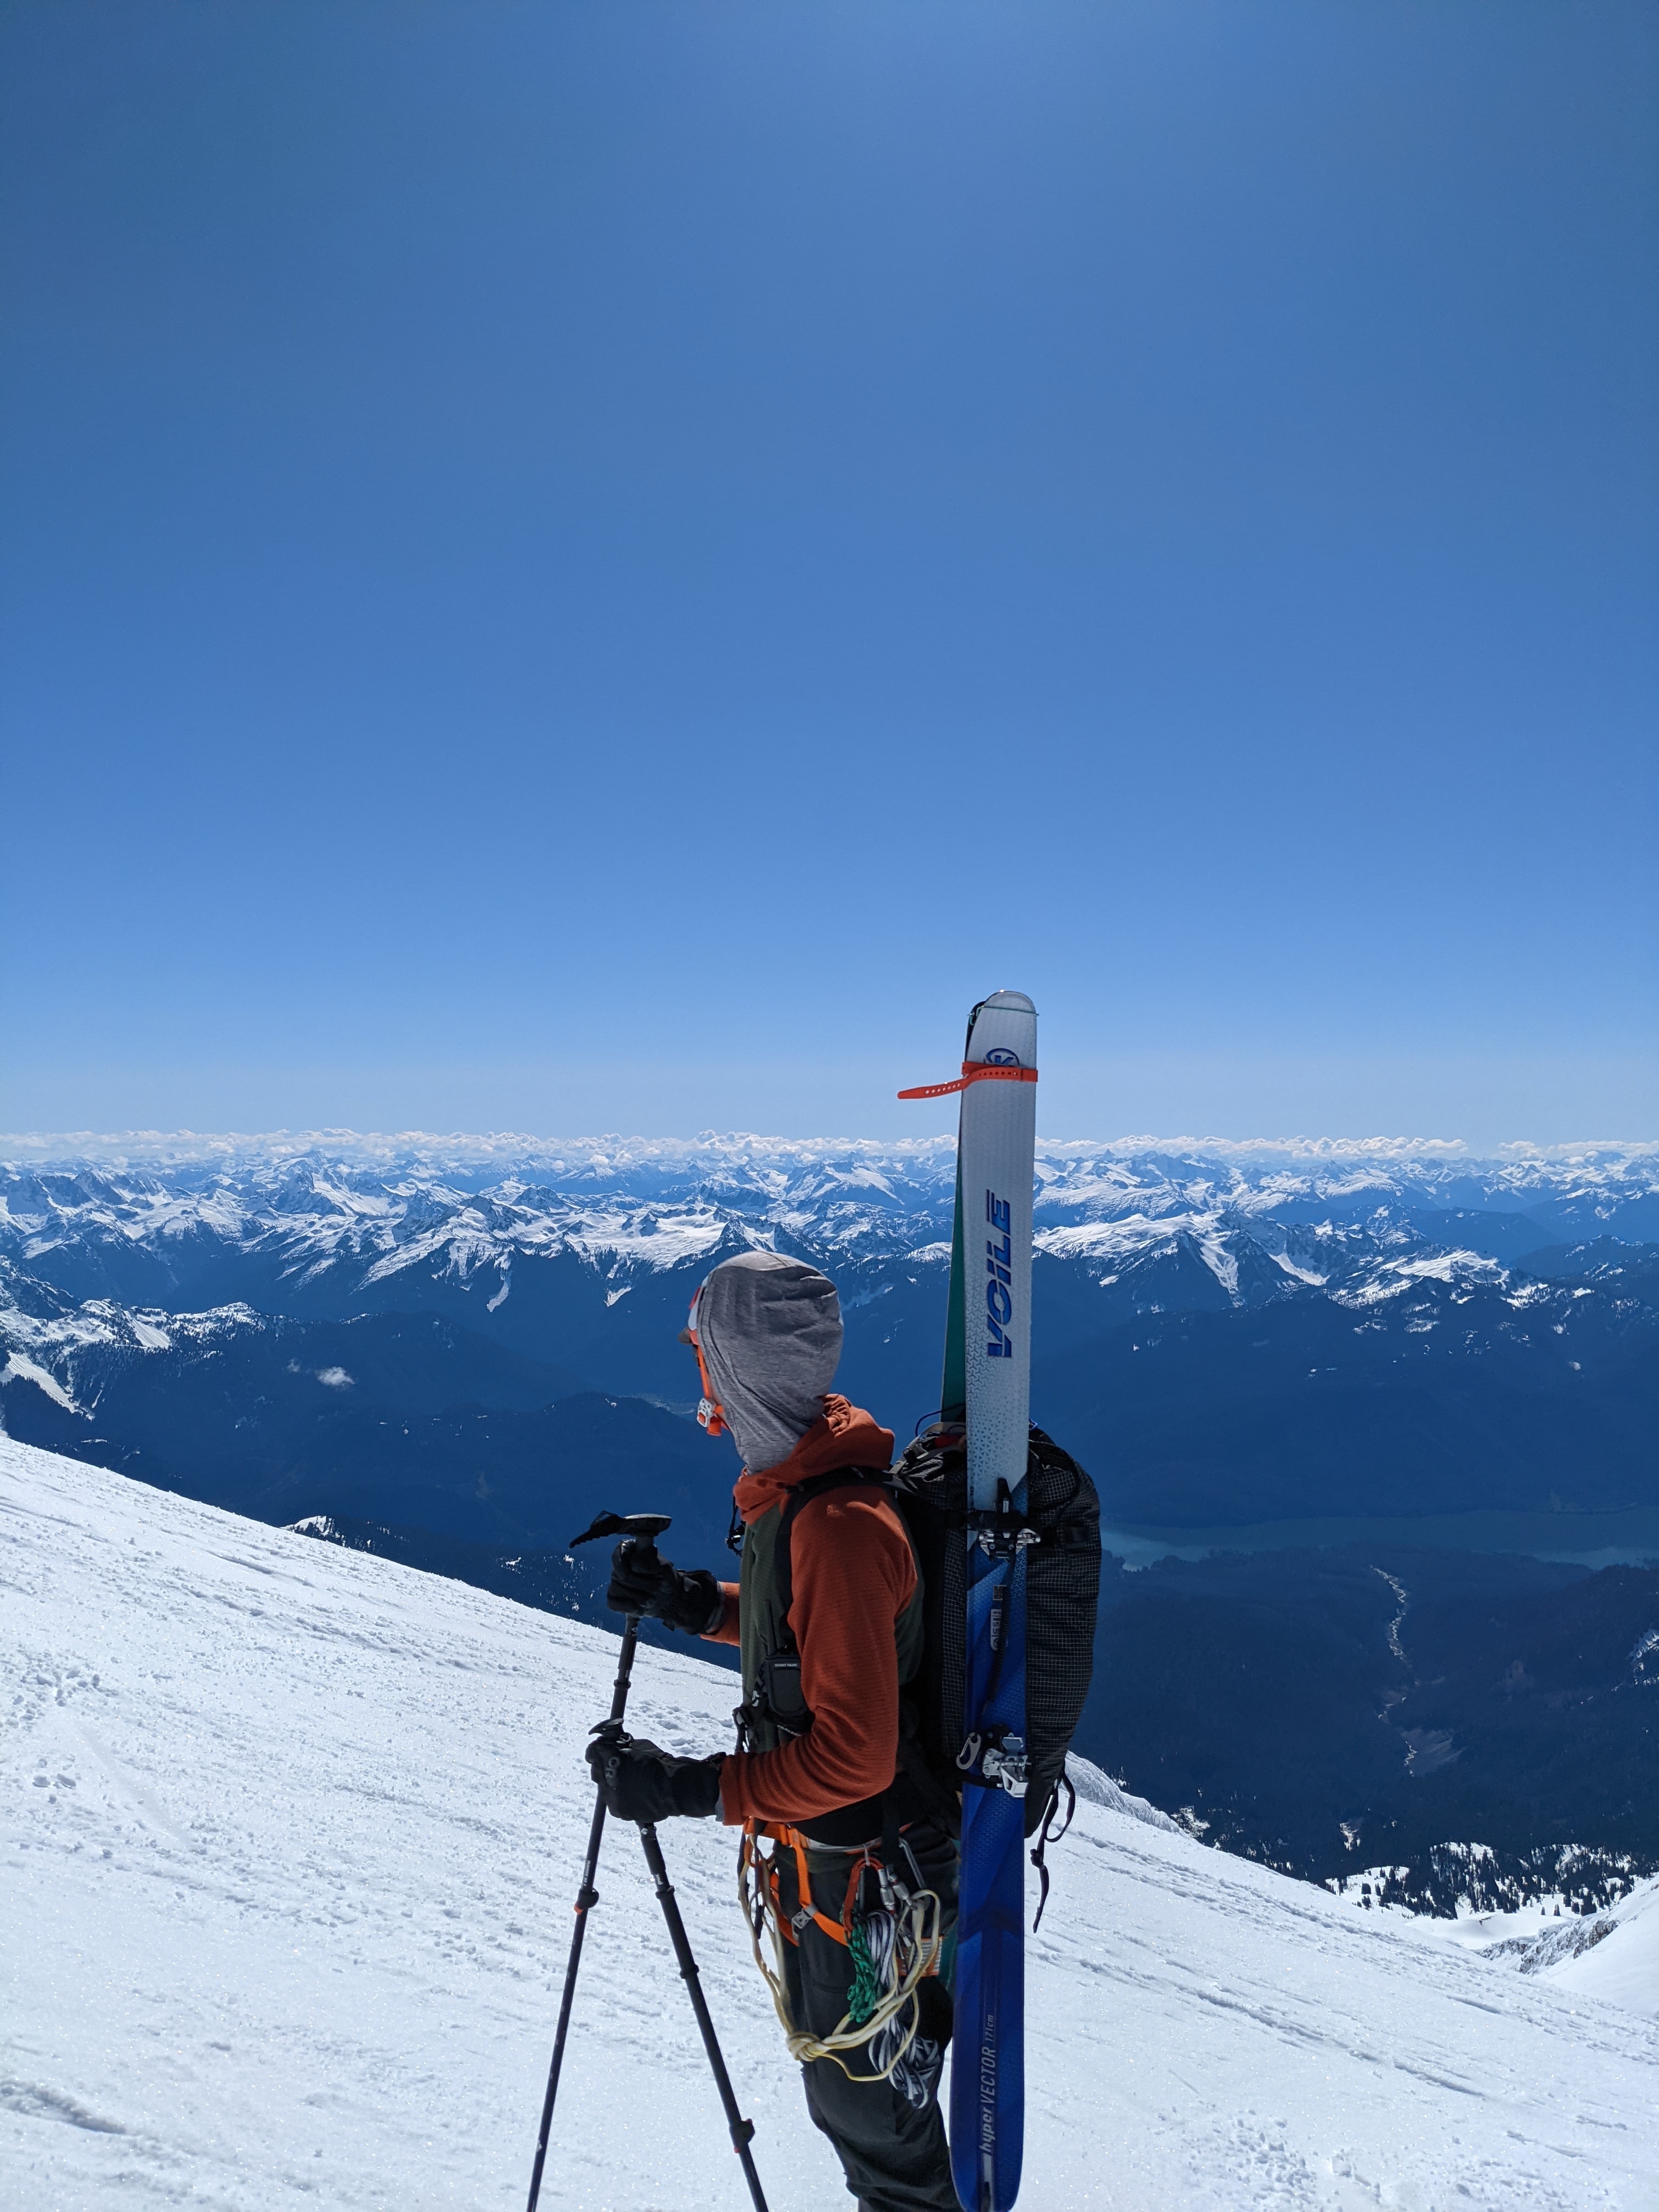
(771, 1333)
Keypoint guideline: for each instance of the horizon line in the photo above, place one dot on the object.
(50, 1148)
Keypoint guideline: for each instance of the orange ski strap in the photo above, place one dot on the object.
(973, 1071)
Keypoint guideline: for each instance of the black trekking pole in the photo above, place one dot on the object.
(743, 2131)
(644, 1529)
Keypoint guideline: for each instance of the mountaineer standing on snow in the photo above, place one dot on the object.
(828, 1615)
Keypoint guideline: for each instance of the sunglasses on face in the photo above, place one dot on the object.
(711, 1414)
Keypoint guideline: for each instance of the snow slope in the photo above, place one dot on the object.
(1577, 1955)
(1624, 1969)
(289, 1837)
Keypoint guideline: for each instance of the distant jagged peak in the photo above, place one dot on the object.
(608, 1154)
(388, 1203)
(1585, 1149)
(851, 1158)
(1364, 1149)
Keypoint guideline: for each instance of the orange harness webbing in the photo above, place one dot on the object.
(793, 1840)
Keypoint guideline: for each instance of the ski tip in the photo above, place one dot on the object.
(1010, 1002)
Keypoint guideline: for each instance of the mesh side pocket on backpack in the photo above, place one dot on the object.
(1062, 1589)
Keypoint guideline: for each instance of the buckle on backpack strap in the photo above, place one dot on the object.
(996, 1760)
(1006, 1763)
(1003, 1531)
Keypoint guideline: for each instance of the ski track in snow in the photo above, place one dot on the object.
(288, 1838)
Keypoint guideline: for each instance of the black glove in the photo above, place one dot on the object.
(642, 1581)
(642, 1783)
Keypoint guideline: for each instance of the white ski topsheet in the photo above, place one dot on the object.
(998, 1141)
(288, 1838)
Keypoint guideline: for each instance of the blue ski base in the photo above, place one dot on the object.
(987, 2067)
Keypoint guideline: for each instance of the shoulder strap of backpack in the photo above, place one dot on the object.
(817, 1485)
(941, 1800)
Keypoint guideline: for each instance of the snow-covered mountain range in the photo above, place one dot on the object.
(290, 1836)
(455, 1350)
(1321, 1270)
(1357, 1218)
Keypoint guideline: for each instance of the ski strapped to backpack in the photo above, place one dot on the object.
(1006, 1740)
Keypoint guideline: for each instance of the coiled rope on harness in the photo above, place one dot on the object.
(893, 1951)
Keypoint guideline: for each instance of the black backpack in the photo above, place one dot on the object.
(1062, 1586)
(929, 1485)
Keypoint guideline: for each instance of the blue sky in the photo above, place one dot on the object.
(613, 566)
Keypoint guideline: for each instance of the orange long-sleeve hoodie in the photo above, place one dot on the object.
(852, 1575)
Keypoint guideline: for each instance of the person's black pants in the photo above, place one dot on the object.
(895, 2155)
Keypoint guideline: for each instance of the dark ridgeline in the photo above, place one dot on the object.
(1331, 1712)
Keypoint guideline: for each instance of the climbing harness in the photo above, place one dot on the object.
(893, 1947)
